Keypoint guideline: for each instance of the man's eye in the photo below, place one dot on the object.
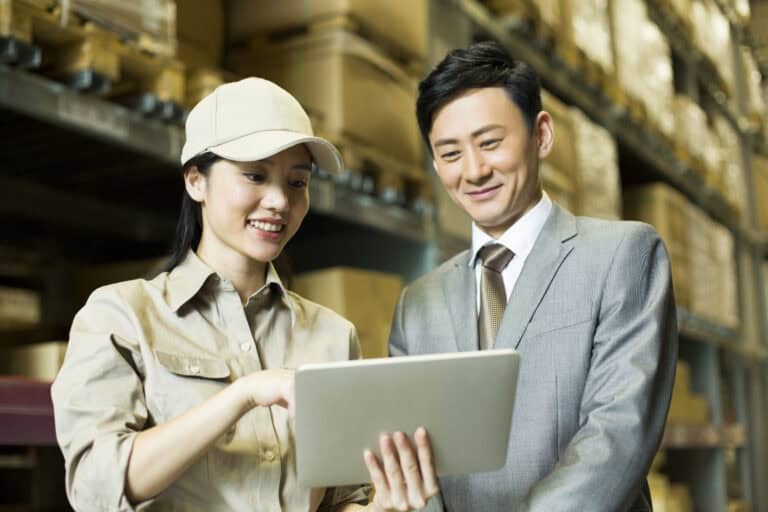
(490, 143)
(450, 155)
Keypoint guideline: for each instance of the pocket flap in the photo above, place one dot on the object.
(193, 366)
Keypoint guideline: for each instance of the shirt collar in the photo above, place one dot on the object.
(520, 236)
(187, 279)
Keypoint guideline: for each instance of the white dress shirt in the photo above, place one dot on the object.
(519, 239)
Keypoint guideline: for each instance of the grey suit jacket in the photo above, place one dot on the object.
(593, 317)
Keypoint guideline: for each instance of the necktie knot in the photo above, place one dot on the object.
(495, 257)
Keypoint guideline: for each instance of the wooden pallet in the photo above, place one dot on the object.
(92, 59)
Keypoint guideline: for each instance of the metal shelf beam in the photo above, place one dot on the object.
(54, 103)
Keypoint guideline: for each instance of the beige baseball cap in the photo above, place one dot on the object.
(250, 120)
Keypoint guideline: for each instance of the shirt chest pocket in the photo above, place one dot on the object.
(182, 381)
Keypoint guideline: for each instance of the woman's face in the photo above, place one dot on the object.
(252, 209)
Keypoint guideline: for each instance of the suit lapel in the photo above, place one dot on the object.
(459, 292)
(552, 247)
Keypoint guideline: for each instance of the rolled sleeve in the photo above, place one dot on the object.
(99, 404)
(337, 497)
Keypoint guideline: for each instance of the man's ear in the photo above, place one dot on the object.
(545, 133)
(195, 183)
(434, 164)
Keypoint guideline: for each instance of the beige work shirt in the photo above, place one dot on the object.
(143, 352)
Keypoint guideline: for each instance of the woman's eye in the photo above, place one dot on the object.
(255, 177)
(299, 183)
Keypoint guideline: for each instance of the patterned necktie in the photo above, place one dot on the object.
(493, 297)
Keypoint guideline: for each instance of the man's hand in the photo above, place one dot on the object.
(408, 478)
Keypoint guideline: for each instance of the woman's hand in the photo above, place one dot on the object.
(407, 479)
(267, 387)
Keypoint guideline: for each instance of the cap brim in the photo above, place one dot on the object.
(260, 145)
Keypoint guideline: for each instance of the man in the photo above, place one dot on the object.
(588, 303)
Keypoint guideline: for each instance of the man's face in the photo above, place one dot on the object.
(487, 158)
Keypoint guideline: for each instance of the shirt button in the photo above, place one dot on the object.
(245, 346)
(269, 455)
(194, 369)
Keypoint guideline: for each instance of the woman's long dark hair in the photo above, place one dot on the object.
(190, 225)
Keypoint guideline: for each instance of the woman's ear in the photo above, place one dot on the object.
(545, 133)
(195, 183)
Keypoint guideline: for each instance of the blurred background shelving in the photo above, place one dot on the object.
(660, 113)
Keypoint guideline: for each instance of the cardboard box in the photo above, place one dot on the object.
(200, 32)
(666, 209)
(679, 499)
(19, 308)
(643, 62)
(760, 177)
(150, 24)
(599, 184)
(352, 89)
(366, 298)
(563, 153)
(401, 25)
(559, 186)
(38, 361)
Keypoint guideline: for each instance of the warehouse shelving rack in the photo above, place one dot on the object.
(729, 366)
(116, 205)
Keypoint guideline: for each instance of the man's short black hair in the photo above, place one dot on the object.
(480, 65)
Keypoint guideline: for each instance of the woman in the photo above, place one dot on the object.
(176, 393)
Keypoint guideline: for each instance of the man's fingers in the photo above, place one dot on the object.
(394, 474)
(426, 463)
(411, 471)
(378, 479)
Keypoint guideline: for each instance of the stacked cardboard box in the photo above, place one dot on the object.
(354, 90)
(732, 183)
(760, 177)
(365, 298)
(668, 497)
(704, 277)
(151, 24)
(559, 171)
(643, 62)
(201, 46)
(667, 210)
(590, 30)
(725, 303)
(351, 64)
(690, 130)
(712, 36)
(686, 407)
(19, 308)
(755, 95)
(682, 10)
(399, 26)
(598, 169)
(38, 361)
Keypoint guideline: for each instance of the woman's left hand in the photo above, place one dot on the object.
(407, 479)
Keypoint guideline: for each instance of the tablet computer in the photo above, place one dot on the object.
(463, 399)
